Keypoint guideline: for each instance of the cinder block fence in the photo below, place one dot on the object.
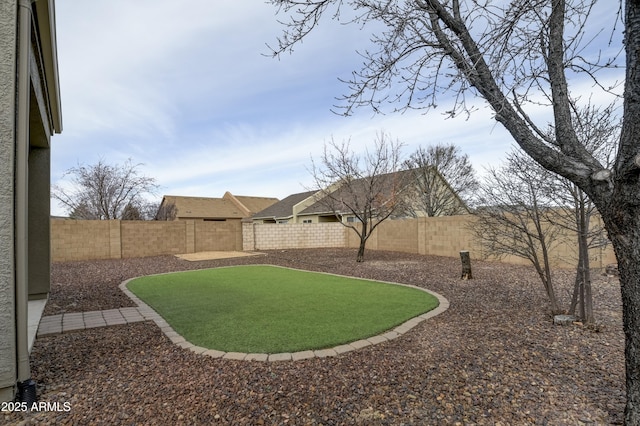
(115, 239)
(440, 236)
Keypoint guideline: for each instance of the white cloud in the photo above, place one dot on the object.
(185, 88)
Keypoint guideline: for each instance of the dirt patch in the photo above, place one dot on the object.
(215, 255)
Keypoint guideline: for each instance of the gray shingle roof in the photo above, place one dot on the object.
(284, 207)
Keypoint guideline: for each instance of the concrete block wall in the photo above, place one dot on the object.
(259, 236)
(441, 236)
(248, 236)
(398, 235)
(115, 239)
(83, 240)
(447, 236)
(154, 238)
(218, 236)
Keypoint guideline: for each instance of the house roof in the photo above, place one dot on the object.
(318, 202)
(390, 182)
(251, 205)
(283, 208)
(227, 207)
(203, 207)
(358, 188)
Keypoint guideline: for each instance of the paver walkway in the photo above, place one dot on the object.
(64, 323)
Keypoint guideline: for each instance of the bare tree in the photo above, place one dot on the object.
(164, 211)
(364, 190)
(527, 211)
(131, 212)
(599, 130)
(516, 55)
(511, 219)
(445, 179)
(103, 191)
(82, 211)
(574, 213)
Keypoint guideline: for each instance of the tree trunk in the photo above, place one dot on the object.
(585, 277)
(360, 256)
(585, 266)
(624, 231)
(582, 297)
(622, 217)
(546, 273)
(574, 297)
(364, 235)
(466, 265)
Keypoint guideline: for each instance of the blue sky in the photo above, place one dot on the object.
(186, 89)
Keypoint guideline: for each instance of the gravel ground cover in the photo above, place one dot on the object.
(494, 357)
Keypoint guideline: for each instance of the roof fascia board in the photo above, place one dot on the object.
(229, 196)
(46, 23)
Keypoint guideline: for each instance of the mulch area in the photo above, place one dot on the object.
(493, 358)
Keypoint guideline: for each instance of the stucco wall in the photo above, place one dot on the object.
(8, 35)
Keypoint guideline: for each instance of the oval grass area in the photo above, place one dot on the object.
(269, 309)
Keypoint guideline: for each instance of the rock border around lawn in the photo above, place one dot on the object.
(443, 305)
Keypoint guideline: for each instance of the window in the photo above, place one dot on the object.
(307, 221)
(353, 219)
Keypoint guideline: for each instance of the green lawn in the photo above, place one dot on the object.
(267, 309)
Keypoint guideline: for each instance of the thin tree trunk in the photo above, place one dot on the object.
(585, 277)
(360, 257)
(582, 297)
(584, 266)
(574, 297)
(547, 278)
(364, 235)
(555, 306)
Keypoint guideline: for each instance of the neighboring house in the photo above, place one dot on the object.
(442, 199)
(229, 207)
(285, 211)
(30, 114)
(314, 207)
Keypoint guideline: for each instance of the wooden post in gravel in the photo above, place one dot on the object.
(466, 265)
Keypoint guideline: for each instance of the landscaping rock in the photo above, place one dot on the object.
(564, 319)
(492, 358)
